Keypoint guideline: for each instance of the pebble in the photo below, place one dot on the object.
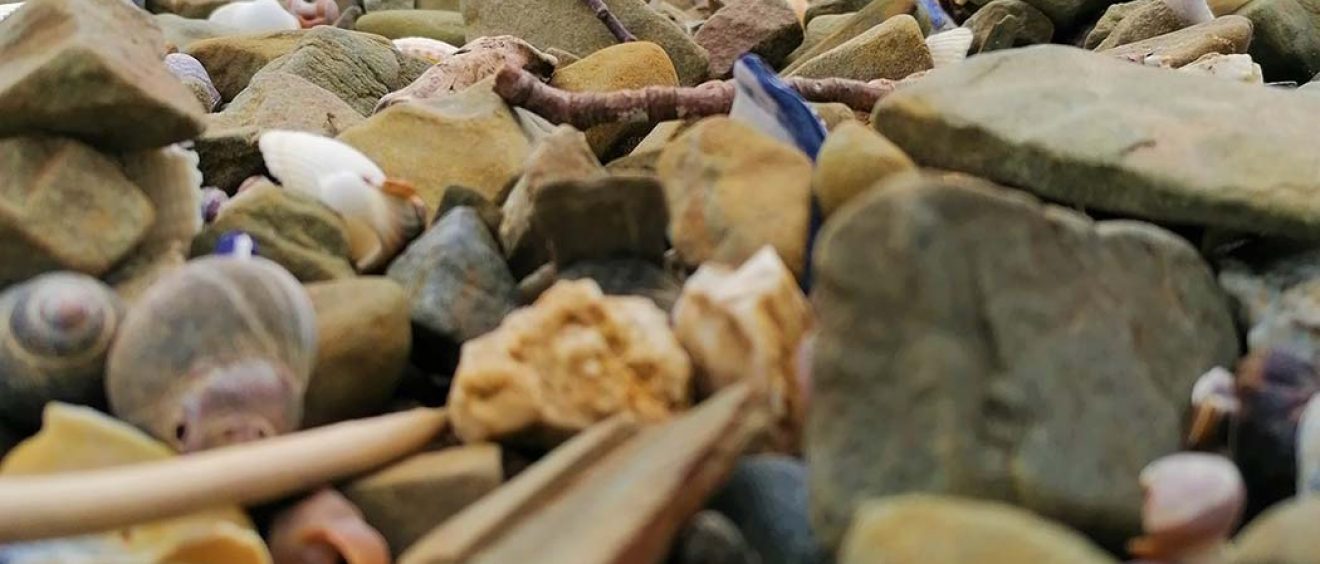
(363, 337)
(766, 498)
(1005, 24)
(435, 24)
(1226, 35)
(232, 60)
(1283, 43)
(853, 159)
(603, 218)
(894, 49)
(768, 28)
(619, 67)
(864, 18)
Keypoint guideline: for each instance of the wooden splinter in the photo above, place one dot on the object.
(606, 17)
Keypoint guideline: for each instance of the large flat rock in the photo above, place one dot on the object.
(1092, 131)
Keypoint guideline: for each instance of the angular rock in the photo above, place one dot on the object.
(434, 24)
(1110, 136)
(1068, 14)
(456, 196)
(296, 231)
(1285, 534)
(768, 28)
(893, 50)
(407, 499)
(570, 25)
(853, 159)
(228, 148)
(604, 218)
(64, 206)
(731, 190)
(93, 71)
(362, 344)
(873, 14)
(948, 308)
(820, 28)
(560, 156)
(233, 60)
(766, 496)
(456, 281)
(1005, 24)
(1227, 35)
(573, 358)
(710, 537)
(1284, 42)
(468, 139)
(359, 68)
(1131, 22)
(182, 32)
(198, 9)
(628, 277)
(621, 67)
(950, 530)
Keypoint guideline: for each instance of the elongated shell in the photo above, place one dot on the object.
(1236, 67)
(217, 352)
(193, 75)
(949, 47)
(254, 16)
(432, 50)
(57, 330)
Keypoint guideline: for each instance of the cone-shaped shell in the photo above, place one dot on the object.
(254, 16)
(1190, 12)
(949, 47)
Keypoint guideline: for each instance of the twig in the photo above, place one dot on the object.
(606, 17)
(654, 104)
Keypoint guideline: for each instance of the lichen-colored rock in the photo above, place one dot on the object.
(1131, 22)
(233, 60)
(853, 159)
(872, 14)
(1226, 35)
(435, 24)
(893, 50)
(363, 338)
(571, 359)
(360, 68)
(732, 190)
(621, 67)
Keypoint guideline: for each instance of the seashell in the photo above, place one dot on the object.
(1190, 12)
(425, 48)
(950, 47)
(212, 200)
(193, 75)
(479, 59)
(236, 244)
(217, 352)
(1214, 402)
(254, 16)
(311, 13)
(56, 332)
(326, 528)
(1236, 67)
(1308, 449)
(1193, 502)
(382, 214)
(7, 9)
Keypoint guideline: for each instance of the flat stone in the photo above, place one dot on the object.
(434, 24)
(233, 60)
(1227, 35)
(893, 50)
(64, 206)
(1285, 534)
(1005, 24)
(603, 218)
(870, 15)
(820, 8)
(362, 343)
(92, 71)
(1131, 22)
(768, 28)
(1109, 136)
(451, 5)
(620, 67)
(949, 530)
(360, 68)
(948, 308)
(407, 499)
(297, 231)
(1284, 43)
(560, 156)
(196, 9)
(820, 28)
(570, 25)
(853, 159)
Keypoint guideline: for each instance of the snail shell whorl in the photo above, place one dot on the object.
(57, 329)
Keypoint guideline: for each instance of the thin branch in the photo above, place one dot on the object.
(606, 17)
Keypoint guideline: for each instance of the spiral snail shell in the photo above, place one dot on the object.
(216, 353)
(57, 329)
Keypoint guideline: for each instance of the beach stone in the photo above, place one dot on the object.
(1069, 14)
(560, 156)
(627, 277)
(603, 218)
(275, 100)
(1284, 43)
(1005, 24)
(570, 25)
(1226, 35)
(853, 159)
(1110, 137)
(949, 530)
(435, 24)
(360, 68)
(385, 5)
(297, 231)
(362, 344)
(820, 28)
(407, 499)
(768, 28)
(182, 32)
(97, 74)
(952, 358)
(64, 206)
(710, 538)
(893, 50)
(1132, 22)
(456, 196)
(870, 15)
(573, 358)
(457, 283)
(820, 8)
(1284, 534)
(732, 190)
(197, 9)
(834, 114)
(1275, 289)
(469, 138)
(621, 67)
(450, 5)
(766, 497)
(233, 60)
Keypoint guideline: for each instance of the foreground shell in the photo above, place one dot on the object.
(6, 9)
(1193, 502)
(193, 75)
(432, 50)
(949, 48)
(254, 16)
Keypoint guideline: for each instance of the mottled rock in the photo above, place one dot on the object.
(571, 359)
(872, 14)
(853, 159)
(1005, 24)
(731, 190)
(621, 67)
(468, 139)
(1284, 42)
(766, 497)
(603, 218)
(275, 100)
(1285, 534)
(456, 280)
(628, 277)
(570, 25)
(187, 8)
(362, 344)
(409, 498)
(359, 68)
(1227, 35)
(1111, 137)
(64, 206)
(233, 60)
(768, 28)
(456, 196)
(953, 357)
(182, 32)
(92, 71)
(950, 530)
(435, 24)
(560, 156)
(893, 50)
(296, 231)
(709, 538)
(1131, 22)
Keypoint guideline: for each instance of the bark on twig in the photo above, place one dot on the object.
(606, 17)
(655, 104)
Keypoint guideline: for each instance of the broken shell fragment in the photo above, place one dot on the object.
(1193, 502)
(948, 48)
(425, 48)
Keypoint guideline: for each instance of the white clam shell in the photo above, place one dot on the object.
(432, 50)
(1308, 449)
(255, 16)
(949, 47)
(6, 9)
(1237, 67)
(299, 160)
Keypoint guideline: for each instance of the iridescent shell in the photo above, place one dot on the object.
(1193, 502)
(950, 47)
(432, 50)
(254, 16)
(311, 13)
(193, 75)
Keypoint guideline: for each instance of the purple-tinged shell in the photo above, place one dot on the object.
(193, 75)
(1193, 501)
(212, 200)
